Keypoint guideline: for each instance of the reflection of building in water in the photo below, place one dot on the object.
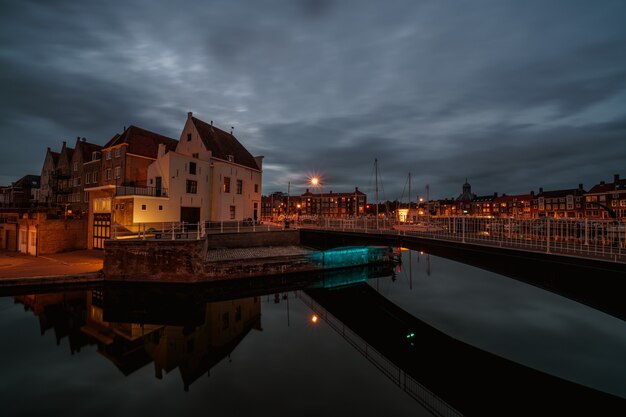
(192, 349)
(121, 343)
(62, 312)
(195, 350)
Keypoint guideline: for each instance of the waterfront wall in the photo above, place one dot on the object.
(226, 256)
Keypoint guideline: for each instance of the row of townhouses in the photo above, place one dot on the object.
(344, 204)
(603, 201)
(140, 178)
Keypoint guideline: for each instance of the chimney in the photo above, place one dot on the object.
(49, 149)
(356, 189)
(532, 193)
(616, 178)
(540, 190)
(161, 150)
(211, 123)
(84, 139)
(231, 129)
(77, 138)
(601, 182)
(189, 115)
(495, 194)
(64, 144)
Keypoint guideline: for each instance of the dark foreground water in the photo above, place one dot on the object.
(436, 337)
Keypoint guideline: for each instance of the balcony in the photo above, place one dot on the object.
(123, 190)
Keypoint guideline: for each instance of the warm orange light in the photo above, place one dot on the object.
(315, 181)
(314, 318)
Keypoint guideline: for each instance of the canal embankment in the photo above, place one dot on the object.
(227, 256)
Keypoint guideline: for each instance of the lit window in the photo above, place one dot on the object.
(226, 185)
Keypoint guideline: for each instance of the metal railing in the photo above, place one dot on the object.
(186, 230)
(144, 191)
(595, 239)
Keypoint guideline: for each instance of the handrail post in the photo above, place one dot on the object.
(548, 236)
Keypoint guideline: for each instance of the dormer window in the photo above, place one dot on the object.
(95, 155)
(230, 158)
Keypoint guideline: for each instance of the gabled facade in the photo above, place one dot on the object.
(60, 183)
(82, 166)
(210, 176)
(46, 194)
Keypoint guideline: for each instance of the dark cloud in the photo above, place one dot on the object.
(514, 96)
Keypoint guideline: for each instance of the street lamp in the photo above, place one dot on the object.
(316, 182)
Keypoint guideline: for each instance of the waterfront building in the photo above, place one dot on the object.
(464, 201)
(559, 203)
(210, 176)
(333, 204)
(605, 200)
(60, 181)
(46, 194)
(121, 175)
(85, 165)
(517, 206)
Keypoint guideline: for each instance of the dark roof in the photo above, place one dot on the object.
(142, 142)
(87, 150)
(221, 144)
(561, 193)
(607, 188)
(55, 157)
(27, 181)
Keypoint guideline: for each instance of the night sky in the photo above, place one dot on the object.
(513, 95)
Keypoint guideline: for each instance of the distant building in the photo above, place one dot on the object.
(560, 203)
(605, 200)
(464, 200)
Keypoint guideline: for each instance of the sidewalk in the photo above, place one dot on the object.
(18, 265)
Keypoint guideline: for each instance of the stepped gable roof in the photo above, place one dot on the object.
(221, 144)
(142, 142)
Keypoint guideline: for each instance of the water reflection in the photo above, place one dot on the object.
(192, 331)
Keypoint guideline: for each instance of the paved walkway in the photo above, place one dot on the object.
(17, 265)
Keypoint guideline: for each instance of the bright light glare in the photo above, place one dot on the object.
(315, 181)
(314, 318)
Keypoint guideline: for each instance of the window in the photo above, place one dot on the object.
(622, 203)
(160, 207)
(188, 137)
(86, 197)
(143, 207)
(256, 188)
(94, 176)
(118, 152)
(233, 212)
(88, 178)
(192, 168)
(227, 184)
(117, 172)
(108, 174)
(195, 155)
(107, 155)
(75, 166)
(192, 187)
(95, 155)
(239, 186)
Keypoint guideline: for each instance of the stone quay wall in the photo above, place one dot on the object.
(221, 257)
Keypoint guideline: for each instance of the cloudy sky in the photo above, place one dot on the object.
(514, 95)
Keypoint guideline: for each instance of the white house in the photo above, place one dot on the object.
(209, 177)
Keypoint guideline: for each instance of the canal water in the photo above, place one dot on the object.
(359, 342)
